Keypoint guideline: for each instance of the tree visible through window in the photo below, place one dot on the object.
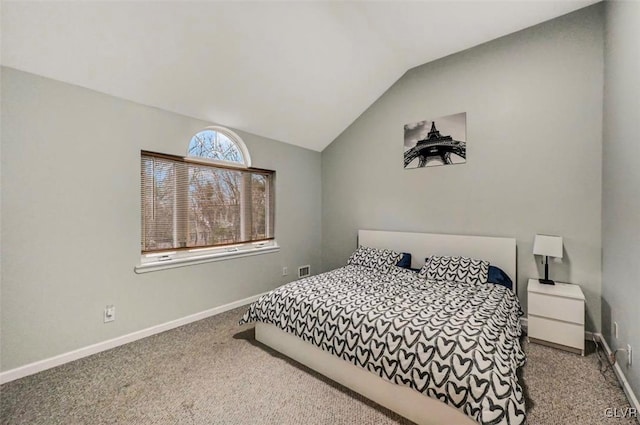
(217, 146)
(200, 201)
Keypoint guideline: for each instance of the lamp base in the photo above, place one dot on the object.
(546, 281)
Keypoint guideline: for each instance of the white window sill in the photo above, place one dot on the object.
(152, 266)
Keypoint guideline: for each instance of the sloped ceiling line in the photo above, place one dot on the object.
(298, 72)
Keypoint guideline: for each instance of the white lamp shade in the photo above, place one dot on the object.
(550, 246)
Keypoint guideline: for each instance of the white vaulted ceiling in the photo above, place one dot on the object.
(299, 72)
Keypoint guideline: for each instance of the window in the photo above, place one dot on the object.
(206, 206)
(219, 144)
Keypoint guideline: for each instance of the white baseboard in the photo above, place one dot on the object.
(39, 366)
(589, 336)
(633, 400)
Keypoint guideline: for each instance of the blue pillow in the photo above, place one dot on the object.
(405, 261)
(499, 277)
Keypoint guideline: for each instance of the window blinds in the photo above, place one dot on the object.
(190, 204)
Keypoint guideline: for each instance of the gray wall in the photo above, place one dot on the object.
(621, 183)
(534, 129)
(71, 220)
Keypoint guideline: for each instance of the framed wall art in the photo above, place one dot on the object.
(441, 141)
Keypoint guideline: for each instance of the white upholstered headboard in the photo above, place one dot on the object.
(500, 252)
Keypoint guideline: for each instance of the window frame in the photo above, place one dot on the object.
(231, 136)
(153, 260)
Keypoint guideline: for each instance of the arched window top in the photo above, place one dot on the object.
(219, 144)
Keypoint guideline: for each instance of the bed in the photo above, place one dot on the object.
(433, 350)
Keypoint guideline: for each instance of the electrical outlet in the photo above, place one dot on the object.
(629, 356)
(285, 271)
(615, 329)
(109, 313)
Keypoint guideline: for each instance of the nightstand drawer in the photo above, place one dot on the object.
(563, 333)
(560, 308)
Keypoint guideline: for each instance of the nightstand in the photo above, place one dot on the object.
(556, 315)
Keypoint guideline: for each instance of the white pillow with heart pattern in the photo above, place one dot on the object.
(379, 259)
(455, 269)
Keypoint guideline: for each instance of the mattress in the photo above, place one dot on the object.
(455, 342)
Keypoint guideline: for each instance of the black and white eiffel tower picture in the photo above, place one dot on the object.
(441, 141)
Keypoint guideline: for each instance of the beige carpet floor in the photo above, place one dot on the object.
(213, 372)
